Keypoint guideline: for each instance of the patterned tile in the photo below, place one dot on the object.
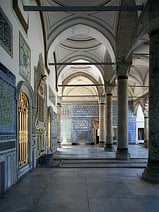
(7, 102)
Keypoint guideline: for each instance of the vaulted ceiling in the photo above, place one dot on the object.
(96, 37)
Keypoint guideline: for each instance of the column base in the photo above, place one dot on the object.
(145, 144)
(109, 147)
(59, 145)
(151, 172)
(101, 144)
(122, 154)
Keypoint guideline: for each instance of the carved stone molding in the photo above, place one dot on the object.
(20, 15)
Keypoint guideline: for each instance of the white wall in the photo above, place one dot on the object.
(51, 82)
(139, 121)
(34, 39)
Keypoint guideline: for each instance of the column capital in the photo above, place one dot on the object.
(102, 99)
(59, 101)
(109, 94)
(109, 89)
(122, 69)
(122, 77)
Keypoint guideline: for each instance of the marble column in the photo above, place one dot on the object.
(59, 124)
(122, 146)
(109, 138)
(102, 137)
(151, 172)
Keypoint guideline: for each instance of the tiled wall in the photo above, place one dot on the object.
(77, 122)
(7, 104)
(7, 127)
(131, 122)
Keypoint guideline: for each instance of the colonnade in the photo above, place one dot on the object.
(105, 124)
(151, 133)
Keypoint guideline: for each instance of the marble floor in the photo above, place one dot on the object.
(47, 189)
(91, 151)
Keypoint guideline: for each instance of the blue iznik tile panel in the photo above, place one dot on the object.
(85, 110)
(82, 124)
(131, 121)
(131, 125)
(7, 103)
(114, 113)
(82, 129)
(77, 122)
(80, 110)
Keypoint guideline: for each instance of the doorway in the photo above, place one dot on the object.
(23, 130)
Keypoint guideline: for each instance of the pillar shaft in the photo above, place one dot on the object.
(59, 124)
(101, 123)
(122, 147)
(146, 136)
(151, 172)
(109, 139)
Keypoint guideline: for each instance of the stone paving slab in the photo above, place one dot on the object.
(94, 189)
(81, 190)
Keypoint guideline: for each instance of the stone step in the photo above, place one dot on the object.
(98, 163)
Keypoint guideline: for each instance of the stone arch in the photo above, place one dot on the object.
(83, 21)
(136, 106)
(100, 90)
(65, 30)
(77, 56)
(23, 86)
(140, 101)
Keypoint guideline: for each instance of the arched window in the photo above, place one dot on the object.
(23, 130)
